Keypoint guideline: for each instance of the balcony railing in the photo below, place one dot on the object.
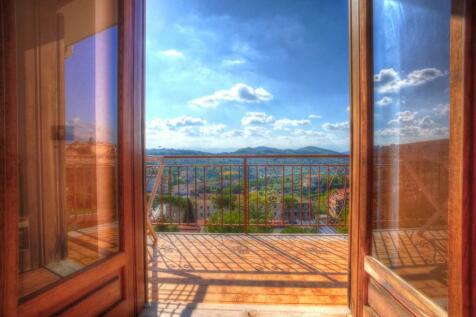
(229, 193)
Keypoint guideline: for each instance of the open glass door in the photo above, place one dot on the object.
(412, 119)
(409, 223)
(79, 164)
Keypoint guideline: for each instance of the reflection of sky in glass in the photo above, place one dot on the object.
(411, 64)
(91, 93)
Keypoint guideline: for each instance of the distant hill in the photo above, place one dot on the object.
(260, 150)
(263, 150)
(162, 151)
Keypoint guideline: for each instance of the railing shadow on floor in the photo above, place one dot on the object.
(188, 268)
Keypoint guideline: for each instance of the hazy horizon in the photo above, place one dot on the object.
(232, 149)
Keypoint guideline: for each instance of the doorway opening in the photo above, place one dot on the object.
(247, 159)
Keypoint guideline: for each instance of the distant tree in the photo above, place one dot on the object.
(233, 222)
(182, 203)
(225, 201)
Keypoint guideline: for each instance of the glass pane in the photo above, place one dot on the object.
(411, 103)
(67, 144)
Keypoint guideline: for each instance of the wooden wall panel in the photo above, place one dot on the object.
(74, 290)
(99, 301)
(8, 163)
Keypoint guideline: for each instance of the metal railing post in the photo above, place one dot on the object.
(245, 194)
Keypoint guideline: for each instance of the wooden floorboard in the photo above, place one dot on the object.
(249, 269)
(278, 269)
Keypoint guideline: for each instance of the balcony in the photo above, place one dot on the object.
(265, 231)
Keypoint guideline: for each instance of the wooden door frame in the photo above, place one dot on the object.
(138, 117)
(462, 179)
(361, 149)
(462, 199)
(132, 20)
(129, 263)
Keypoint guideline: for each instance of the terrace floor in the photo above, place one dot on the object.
(189, 270)
(196, 274)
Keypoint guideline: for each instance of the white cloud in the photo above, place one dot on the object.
(403, 117)
(241, 93)
(411, 132)
(174, 123)
(426, 123)
(422, 76)
(286, 123)
(388, 80)
(243, 48)
(385, 101)
(82, 130)
(203, 131)
(172, 53)
(214, 129)
(233, 62)
(442, 109)
(185, 121)
(156, 124)
(233, 133)
(314, 116)
(256, 118)
(249, 132)
(310, 133)
(257, 129)
(339, 126)
(256, 132)
(262, 119)
(180, 127)
(411, 127)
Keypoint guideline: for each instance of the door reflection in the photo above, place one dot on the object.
(411, 141)
(68, 104)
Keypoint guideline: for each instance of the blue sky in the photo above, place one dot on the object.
(225, 74)
(228, 74)
(91, 94)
